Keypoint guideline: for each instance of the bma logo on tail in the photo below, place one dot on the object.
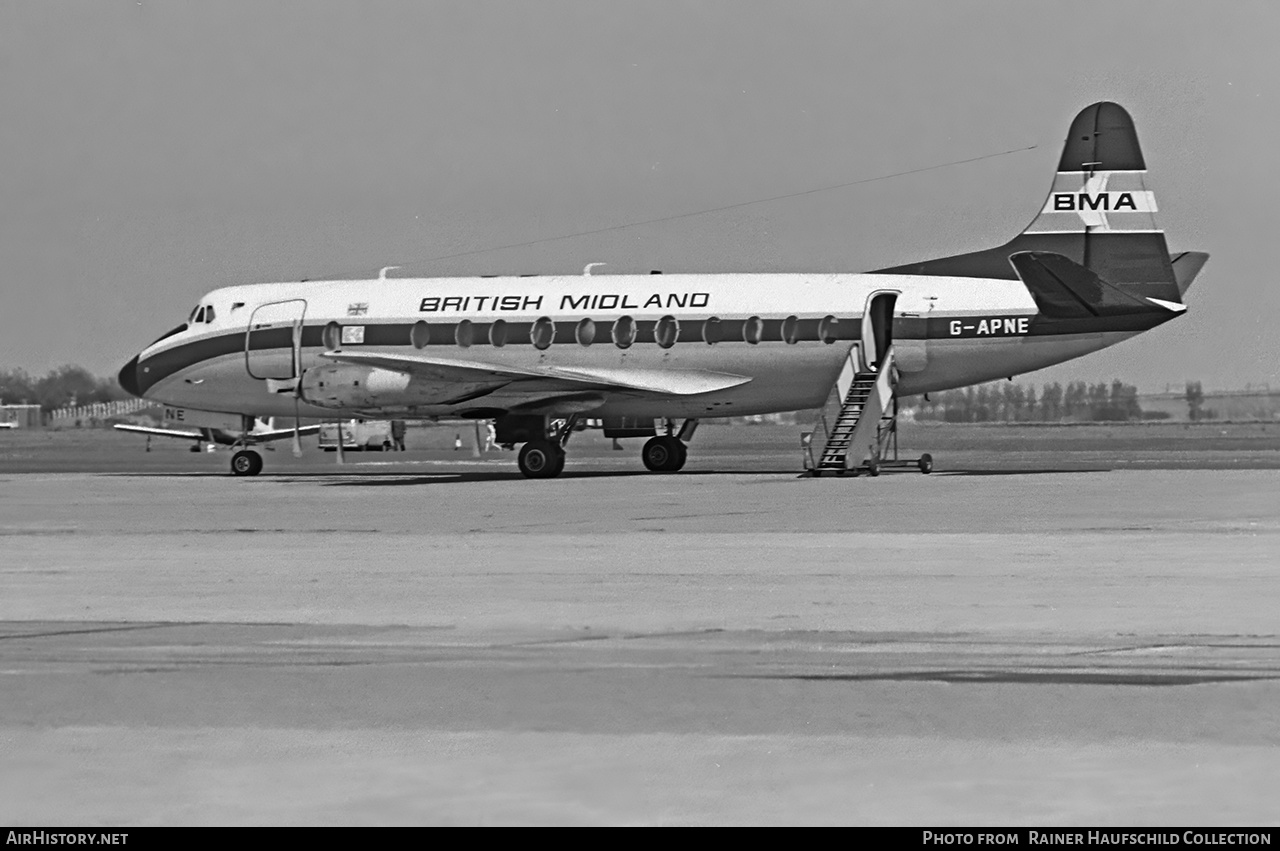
(1070, 202)
(1097, 197)
(1103, 193)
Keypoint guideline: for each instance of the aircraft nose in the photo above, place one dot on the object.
(128, 377)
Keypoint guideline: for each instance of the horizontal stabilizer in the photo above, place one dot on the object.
(675, 382)
(1185, 268)
(1063, 289)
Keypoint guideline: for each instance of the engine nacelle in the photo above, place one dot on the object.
(364, 387)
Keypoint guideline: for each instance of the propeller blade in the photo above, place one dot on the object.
(297, 435)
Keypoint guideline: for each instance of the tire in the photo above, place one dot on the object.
(540, 459)
(663, 454)
(926, 463)
(246, 462)
(682, 455)
(873, 468)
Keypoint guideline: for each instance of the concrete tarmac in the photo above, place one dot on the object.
(384, 645)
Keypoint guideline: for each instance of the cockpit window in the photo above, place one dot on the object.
(194, 311)
(208, 315)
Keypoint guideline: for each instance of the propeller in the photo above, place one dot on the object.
(297, 387)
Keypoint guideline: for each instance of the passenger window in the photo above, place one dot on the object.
(498, 333)
(585, 333)
(542, 333)
(790, 330)
(753, 330)
(419, 336)
(711, 331)
(666, 332)
(624, 332)
(332, 336)
(827, 330)
(463, 334)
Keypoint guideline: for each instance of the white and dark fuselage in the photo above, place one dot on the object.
(787, 335)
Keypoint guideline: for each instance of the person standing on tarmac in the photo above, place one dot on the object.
(397, 435)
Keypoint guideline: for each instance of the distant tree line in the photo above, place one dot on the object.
(63, 386)
(1008, 402)
(1001, 401)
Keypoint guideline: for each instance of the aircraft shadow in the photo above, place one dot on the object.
(392, 479)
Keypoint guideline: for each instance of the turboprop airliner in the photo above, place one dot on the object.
(650, 355)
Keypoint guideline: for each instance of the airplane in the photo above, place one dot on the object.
(536, 354)
(214, 429)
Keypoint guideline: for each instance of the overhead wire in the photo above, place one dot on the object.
(721, 209)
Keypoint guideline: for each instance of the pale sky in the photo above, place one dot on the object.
(152, 151)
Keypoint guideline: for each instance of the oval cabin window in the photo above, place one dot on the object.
(624, 332)
(542, 333)
(753, 330)
(827, 330)
(711, 331)
(464, 333)
(419, 336)
(666, 332)
(585, 332)
(498, 333)
(790, 330)
(332, 336)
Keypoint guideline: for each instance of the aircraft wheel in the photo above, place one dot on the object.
(540, 459)
(873, 468)
(246, 462)
(926, 463)
(663, 454)
(682, 455)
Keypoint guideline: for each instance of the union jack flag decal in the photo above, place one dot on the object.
(359, 308)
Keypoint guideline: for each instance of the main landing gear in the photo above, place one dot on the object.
(541, 459)
(664, 454)
(542, 456)
(246, 462)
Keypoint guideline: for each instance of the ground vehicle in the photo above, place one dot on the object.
(369, 435)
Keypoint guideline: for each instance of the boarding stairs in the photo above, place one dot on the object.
(859, 421)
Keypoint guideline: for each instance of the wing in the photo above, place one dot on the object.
(674, 382)
(163, 432)
(279, 433)
(220, 436)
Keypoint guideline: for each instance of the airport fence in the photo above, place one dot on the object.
(96, 412)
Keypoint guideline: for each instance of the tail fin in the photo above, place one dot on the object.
(1099, 214)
